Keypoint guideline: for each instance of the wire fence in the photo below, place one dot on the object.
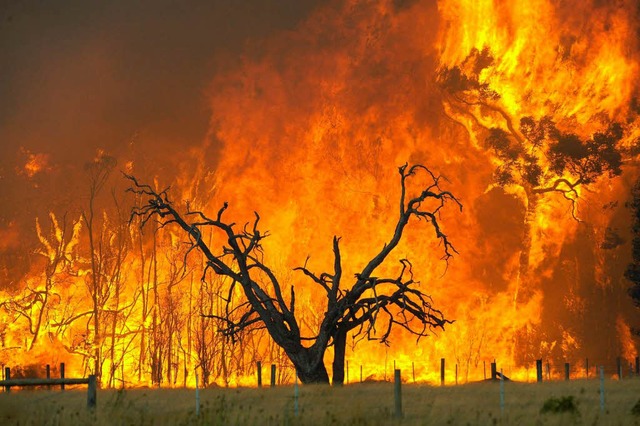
(433, 372)
(442, 372)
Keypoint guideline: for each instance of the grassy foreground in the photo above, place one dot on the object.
(575, 402)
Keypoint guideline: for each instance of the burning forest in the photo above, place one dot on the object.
(118, 174)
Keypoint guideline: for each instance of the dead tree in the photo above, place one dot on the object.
(98, 173)
(367, 301)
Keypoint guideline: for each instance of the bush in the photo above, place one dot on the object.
(564, 404)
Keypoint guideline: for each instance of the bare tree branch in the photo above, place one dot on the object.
(395, 301)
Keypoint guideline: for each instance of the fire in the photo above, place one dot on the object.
(34, 163)
(309, 134)
(576, 61)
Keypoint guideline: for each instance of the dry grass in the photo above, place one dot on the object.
(366, 404)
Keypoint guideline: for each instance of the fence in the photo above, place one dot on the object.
(543, 371)
(496, 375)
(91, 382)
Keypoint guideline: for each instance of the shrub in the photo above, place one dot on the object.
(564, 404)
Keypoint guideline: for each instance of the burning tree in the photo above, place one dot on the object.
(534, 157)
(370, 300)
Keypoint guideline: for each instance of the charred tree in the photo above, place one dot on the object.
(367, 301)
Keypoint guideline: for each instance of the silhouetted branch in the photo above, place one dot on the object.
(241, 259)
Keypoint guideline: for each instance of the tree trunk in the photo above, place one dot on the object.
(143, 315)
(43, 306)
(339, 346)
(523, 292)
(310, 366)
(313, 374)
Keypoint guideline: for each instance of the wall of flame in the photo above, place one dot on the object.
(308, 128)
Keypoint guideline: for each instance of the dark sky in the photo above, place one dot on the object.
(78, 75)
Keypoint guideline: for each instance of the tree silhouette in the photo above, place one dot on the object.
(368, 299)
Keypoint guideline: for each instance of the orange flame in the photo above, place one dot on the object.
(308, 131)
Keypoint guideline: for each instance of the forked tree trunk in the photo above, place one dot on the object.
(310, 366)
(313, 373)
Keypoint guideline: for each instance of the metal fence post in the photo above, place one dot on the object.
(398, 393)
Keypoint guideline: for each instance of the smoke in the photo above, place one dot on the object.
(126, 77)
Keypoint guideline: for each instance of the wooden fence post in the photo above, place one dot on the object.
(7, 376)
(48, 371)
(92, 392)
(586, 366)
(62, 374)
(360, 373)
(441, 371)
(398, 393)
(566, 370)
(273, 375)
(494, 371)
(539, 370)
(259, 367)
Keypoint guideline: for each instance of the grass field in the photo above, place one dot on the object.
(575, 402)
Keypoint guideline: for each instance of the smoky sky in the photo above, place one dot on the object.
(77, 76)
